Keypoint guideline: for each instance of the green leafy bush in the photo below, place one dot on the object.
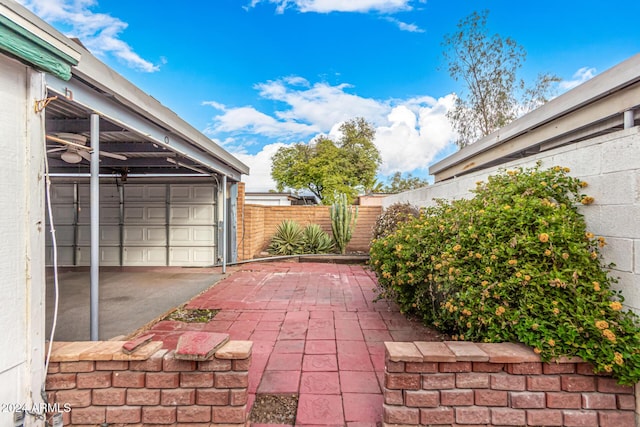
(291, 239)
(514, 263)
(287, 240)
(392, 217)
(316, 240)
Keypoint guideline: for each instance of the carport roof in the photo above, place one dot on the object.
(154, 139)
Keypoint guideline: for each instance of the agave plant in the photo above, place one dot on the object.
(316, 240)
(287, 240)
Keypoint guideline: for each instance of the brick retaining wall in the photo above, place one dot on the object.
(101, 384)
(461, 383)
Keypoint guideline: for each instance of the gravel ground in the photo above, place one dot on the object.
(274, 409)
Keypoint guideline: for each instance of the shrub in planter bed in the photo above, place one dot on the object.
(514, 263)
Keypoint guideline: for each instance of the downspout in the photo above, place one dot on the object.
(629, 119)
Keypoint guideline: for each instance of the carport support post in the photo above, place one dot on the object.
(95, 224)
(224, 224)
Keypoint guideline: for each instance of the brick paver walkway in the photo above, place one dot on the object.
(316, 333)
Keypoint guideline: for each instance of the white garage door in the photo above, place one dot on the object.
(140, 224)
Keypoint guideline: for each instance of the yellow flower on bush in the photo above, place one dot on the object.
(535, 326)
(583, 184)
(512, 262)
(547, 252)
(602, 324)
(500, 310)
(618, 359)
(543, 237)
(596, 286)
(609, 335)
(607, 368)
(556, 310)
(590, 235)
(551, 342)
(456, 248)
(488, 270)
(478, 255)
(506, 207)
(527, 277)
(537, 350)
(615, 305)
(602, 242)
(565, 256)
(543, 184)
(587, 200)
(484, 283)
(493, 257)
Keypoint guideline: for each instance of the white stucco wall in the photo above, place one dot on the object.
(610, 164)
(22, 283)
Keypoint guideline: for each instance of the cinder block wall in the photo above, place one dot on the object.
(158, 390)
(610, 164)
(260, 223)
(462, 383)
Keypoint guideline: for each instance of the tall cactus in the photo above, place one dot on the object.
(343, 221)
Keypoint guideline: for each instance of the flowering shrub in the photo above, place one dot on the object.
(392, 217)
(514, 263)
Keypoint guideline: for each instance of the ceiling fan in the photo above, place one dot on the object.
(75, 148)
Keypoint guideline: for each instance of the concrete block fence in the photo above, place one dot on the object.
(100, 384)
(467, 384)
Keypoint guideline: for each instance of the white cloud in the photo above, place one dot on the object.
(327, 6)
(579, 77)
(410, 133)
(415, 135)
(248, 120)
(260, 166)
(99, 32)
(321, 104)
(412, 28)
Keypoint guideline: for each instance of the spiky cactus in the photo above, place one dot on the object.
(343, 221)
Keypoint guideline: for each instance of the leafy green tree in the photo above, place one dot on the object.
(326, 168)
(398, 183)
(488, 65)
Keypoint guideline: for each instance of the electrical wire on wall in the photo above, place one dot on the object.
(54, 245)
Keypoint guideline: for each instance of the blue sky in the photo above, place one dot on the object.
(255, 75)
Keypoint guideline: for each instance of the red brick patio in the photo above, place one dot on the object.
(317, 332)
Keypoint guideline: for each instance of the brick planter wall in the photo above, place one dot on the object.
(461, 383)
(103, 385)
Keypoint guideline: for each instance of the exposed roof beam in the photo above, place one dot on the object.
(80, 126)
(90, 99)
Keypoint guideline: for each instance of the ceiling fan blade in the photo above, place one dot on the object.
(113, 155)
(55, 150)
(69, 143)
(85, 155)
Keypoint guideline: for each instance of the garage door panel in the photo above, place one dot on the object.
(144, 256)
(196, 257)
(65, 255)
(140, 235)
(179, 193)
(109, 214)
(62, 193)
(64, 236)
(62, 214)
(192, 214)
(145, 193)
(145, 214)
(109, 235)
(192, 235)
(108, 193)
(109, 255)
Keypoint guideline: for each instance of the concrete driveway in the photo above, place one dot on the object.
(130, 297)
